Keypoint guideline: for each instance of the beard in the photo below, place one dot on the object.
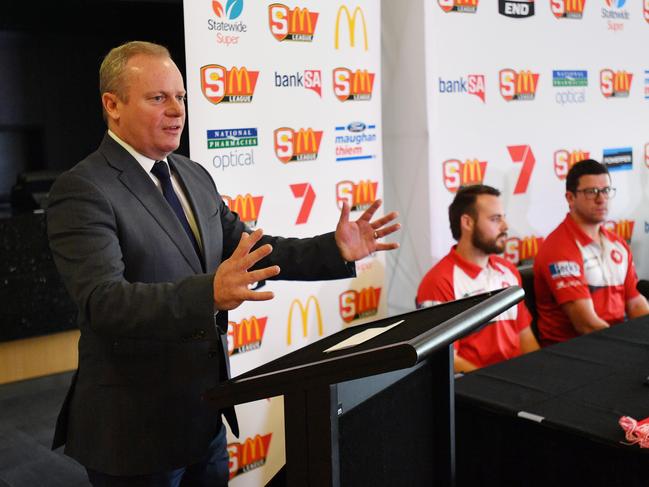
(488, 246)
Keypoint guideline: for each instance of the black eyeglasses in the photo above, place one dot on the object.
(593, 193)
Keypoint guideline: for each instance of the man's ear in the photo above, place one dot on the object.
(466, 224)
(111, 105)
(570, 198)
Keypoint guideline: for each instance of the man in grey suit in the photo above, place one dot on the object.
(154, 259)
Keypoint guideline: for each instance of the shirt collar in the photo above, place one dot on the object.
(144, 161)
(579, 234)
(472, 270)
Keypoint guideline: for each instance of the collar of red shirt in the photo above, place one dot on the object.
(471, 269)
(580, 235)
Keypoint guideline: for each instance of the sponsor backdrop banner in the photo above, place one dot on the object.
(518, 91)
(285, 115)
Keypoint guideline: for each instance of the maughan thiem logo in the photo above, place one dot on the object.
(355, 141)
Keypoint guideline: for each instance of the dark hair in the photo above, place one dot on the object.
(583, 168)
(464, 204)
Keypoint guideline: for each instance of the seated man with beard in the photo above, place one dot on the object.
(472, 267)
(584, 277)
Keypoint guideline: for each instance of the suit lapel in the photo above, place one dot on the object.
(142, 187)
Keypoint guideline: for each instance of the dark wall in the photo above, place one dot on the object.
(49, 59)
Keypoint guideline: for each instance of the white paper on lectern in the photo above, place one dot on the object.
(361, 337)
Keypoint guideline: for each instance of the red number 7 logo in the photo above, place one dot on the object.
(303, 190)
(524, 154)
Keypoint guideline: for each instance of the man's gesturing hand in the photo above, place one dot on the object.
(232, 278)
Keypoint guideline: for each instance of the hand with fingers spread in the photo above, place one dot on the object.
(359, 239)
(232, 278)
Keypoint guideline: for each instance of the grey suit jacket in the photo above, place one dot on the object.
(150, 341)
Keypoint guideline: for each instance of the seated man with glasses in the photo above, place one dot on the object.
(584, 277)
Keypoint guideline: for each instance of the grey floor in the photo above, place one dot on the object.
(28, 413)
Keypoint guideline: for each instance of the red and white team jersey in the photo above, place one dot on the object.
(570, 266)
(454, 278)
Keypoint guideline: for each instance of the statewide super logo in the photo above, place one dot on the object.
(462, 6)
(522, 250)
(246, 335)
(305, 316)
(622, 228)
(615, 84)
(618, 159)
(615, 14)
(297, 24)
(227, 30)
(353, 19)
(300, 145)
(355, 141)
(571, 85)
(473, 84)
(355, 305)
(234, 147)
(567, 9)
(248, 455)
(222, 85)
(457, 173)
(353, 85)
(359, 196)
(246, 206)
(516, 9)
(564, 160)
(311, 79)
(519, 85)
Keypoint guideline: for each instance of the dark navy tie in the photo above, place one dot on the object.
(161, 171)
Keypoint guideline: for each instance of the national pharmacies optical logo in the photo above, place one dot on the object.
(234, 147)
(571, 86)
(228, 29)
(460, 6)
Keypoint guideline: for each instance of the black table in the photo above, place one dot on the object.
(551, 417)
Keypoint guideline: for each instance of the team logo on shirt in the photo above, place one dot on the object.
(250, 454)
(517, 86)
(297, 24)
(616, 256)
(564, 160)
(246, 335)
(460, 6)
(354, 305)
(246, 206)
(564, 268)
(457, 173)
(222, 85)
(518, 250)
(567, 9)
(622, 228)
(359, 196)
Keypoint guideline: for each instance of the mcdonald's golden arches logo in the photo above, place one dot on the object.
(222, 85)
(355, 305)
(519, 85)
(569, 9)
(460, 6)
(457, 173)
(306, 318)
(246, 206)
(615, 84)
(353, 85)
(297, 24)
(250, 454)
(300, 145)
(246, 335)
(518, 250)
(359, 196)
(565, 159)
(353, 19)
